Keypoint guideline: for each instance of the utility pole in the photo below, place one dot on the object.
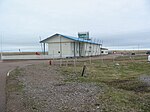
(1, 49)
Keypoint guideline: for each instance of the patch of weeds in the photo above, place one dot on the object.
(145, 103)
(115, 100)
(128, 58)
(15, 87)
(130, 85)
(123, 77)
(14, 91)
(13, 84)
(70, 74)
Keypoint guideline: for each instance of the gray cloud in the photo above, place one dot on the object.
(130, 40)
(108, 20)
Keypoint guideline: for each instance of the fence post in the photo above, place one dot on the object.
(83, 71)
(66, 62)
(50, 62)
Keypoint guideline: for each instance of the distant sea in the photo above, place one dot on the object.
(39, 48)
(21, 48)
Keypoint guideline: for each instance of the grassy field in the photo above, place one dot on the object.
(125, 79)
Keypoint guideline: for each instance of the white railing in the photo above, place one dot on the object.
(32, 57)
(26, 57)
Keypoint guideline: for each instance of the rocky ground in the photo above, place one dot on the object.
(41, 88)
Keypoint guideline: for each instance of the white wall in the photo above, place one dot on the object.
(75, 46)
(57, 44)
(60, 47)
(60, 50)
(92, 49)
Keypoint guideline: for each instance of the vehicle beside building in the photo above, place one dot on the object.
(104, 51)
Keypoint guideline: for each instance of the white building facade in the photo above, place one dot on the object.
(61, 46)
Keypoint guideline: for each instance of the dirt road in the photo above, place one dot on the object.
(4, 68)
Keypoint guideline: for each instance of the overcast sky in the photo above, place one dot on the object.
(119, 23)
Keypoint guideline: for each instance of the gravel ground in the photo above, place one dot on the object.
(46, 91)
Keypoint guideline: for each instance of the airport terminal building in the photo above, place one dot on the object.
(62, 46)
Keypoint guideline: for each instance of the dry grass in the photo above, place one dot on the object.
(124, 90)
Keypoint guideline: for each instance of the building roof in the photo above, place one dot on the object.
(71, 38)
(104, 49)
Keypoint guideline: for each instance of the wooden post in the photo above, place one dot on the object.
(60, 62)
(102, 59)
(74, 65)
(90, 60)
(113, 59)
(83, 71)
(50, 62)
(67, 63)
